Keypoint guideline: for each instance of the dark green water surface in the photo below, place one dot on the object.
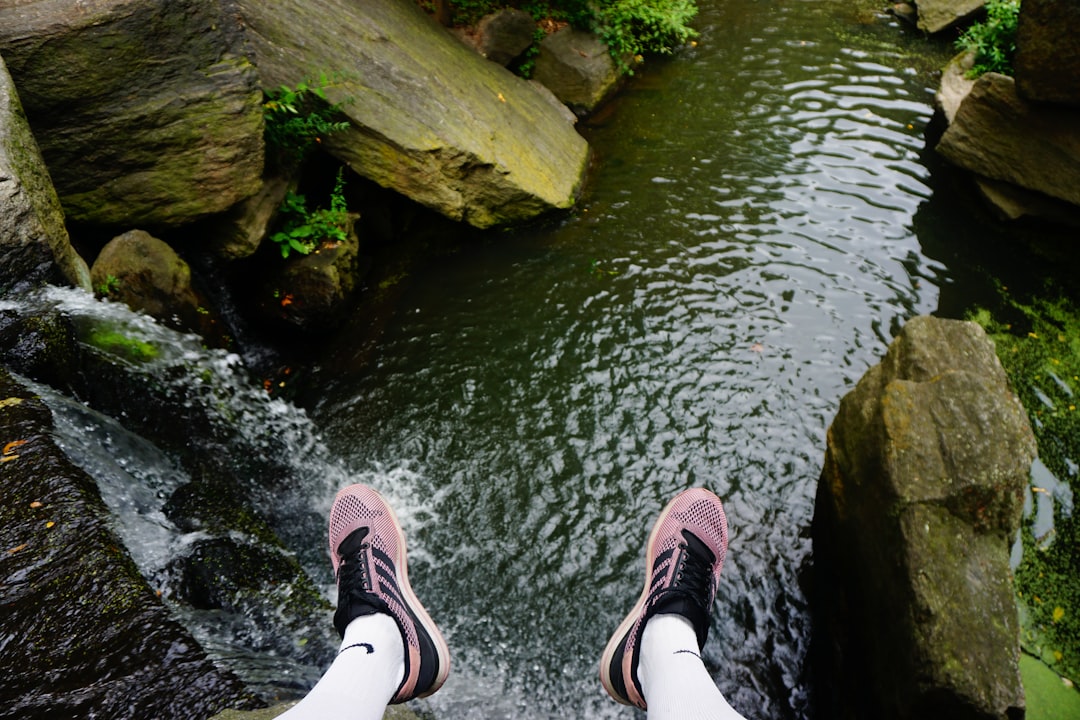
(746, 248)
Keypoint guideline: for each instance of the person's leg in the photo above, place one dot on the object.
(391, 651)
(653, 659)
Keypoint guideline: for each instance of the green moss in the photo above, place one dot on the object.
(1038, 342)
(116, 343)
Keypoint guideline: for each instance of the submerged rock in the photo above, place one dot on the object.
(578, 68)
(430, 118)
(84, 635)
(34, 244)
(919, 499)
(147, 113)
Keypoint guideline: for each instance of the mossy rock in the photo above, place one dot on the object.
(147, 113)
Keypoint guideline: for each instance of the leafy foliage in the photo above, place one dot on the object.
(303, 230)
(994, 39)
(298, 118)
(1041, 355)
(639, 27)
(629, 27)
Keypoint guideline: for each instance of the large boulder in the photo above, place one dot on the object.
(34, 243)
(430, 118)
(1048, 51)
(998, 135)
(578, 68)
(148, 113)
(84, 635)
(920, 498)
(938, 15)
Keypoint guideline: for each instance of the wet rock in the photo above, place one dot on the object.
(502, 35)
(998, 135)
(578, 68)
(41, 346)
(955, 84)
(238, 233)
(148, 276)
(34, 244)
(919, 499)
(309, 292)
(84, 636)
(938, 15)
(147, 113)
(1048, 52)
(430, 119)
(393, 712)
(263, 589)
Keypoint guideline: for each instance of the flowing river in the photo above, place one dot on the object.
(747, 246)
(764, 213)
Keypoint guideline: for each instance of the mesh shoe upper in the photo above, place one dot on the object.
(683, 559)
(367, 551)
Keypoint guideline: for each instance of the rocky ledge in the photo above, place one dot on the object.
(919, 501)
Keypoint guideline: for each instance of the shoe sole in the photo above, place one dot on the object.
(628, 623)
(413, 603)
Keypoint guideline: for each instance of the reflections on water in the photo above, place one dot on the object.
(741, 258)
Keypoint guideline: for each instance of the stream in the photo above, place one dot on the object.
(744, 253)
(763, 215)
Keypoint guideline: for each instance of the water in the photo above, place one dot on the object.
(745, 251)
(763, 215)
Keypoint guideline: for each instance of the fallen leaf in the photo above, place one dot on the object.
(10, 401)
(36, 504)
(49, 524)
(16, 549)
(501, 98)
(8, 458)
(12, 445)
(757, 347)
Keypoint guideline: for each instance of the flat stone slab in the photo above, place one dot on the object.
(430, 118)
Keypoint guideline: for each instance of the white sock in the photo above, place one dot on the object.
(363, 677)
(673, 678)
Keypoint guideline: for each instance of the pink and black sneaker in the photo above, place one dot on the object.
(682, 569)
(367, 549)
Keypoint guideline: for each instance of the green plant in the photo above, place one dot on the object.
(640, 27)
(1040, 351)
(298, 118)
(631, 28)
(109, 285)
(303, 230)
(993, 40)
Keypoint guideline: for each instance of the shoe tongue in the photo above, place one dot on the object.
(700, 549)
(351, 544)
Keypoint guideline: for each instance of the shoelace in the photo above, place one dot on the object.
(352, 574)
(693, 577)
